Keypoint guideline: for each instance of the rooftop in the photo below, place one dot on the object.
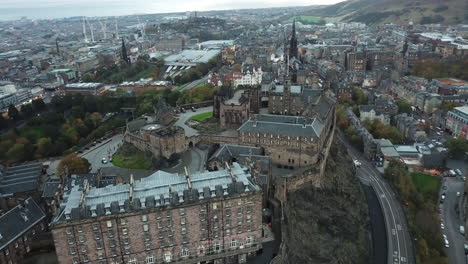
(155, 191)
(284, 125)
(21, 178)
(17, 221)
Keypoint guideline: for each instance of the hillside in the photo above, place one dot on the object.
(327, 225)
(397, 11)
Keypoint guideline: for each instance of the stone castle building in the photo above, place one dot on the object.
(206, 217)
(234, 111)
(161, 142)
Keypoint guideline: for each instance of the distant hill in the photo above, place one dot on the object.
(397, 11)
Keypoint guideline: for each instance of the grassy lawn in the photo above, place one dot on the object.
(202, 116)
(307, 19)
(131, 158)
(425, 183)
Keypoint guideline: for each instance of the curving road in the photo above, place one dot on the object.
(400, 245)
(102, 150)
(184, 117)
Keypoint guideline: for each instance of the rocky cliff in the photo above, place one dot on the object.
(330, 224)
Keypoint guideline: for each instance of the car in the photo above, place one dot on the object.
(447, 245)
(442, 226)
(193, 109)
(458, 194)
(104, 160)
(182, 110)
(459, 172)
(463, 178)
(444, 236)
(442, 197)
(357, 163)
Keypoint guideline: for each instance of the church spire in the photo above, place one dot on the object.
(293, 44)
(124, 53)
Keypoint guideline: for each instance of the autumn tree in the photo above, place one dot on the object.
(43, 148)
(403, 106)
(72, 164)
(457, 147)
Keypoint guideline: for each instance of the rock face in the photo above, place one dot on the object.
(330, 224)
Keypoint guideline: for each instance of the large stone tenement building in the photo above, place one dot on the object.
(18, 228)
(206, 217)
(289, 141)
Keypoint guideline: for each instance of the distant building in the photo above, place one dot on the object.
(18, 229)
(84, 88)
(356, 61)
(368, 112)
(234, 111)
(457, 121)
(203, 217)
(409, 127)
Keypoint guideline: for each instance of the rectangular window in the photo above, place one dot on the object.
(145, 228)
(123, 221)
(126, 240)
(148, 246)
(109, 224)
(182, 211)
(95, 226)
(70, 240)
(110, 233)
(124, 231)
(144, 218)
(98, 244)
(79, 229)
(97, 236)
(68, 230)
(81, 238)
(72, 250)
(183, 220)
(83, 248)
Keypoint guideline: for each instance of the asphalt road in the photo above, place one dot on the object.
(184, 117)
(102, 150)
(400, 245)
(195, 83)
(452, 220)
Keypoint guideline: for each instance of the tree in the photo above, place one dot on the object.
(27, 110)
(38, 105)
(13, 113)
(359, 97)
(20, 152)
(87, 77)
(72, 164)
(44, 148)
(457, 147)
(403, 106)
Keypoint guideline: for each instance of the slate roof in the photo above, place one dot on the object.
(284, 125)
(227, 152)
(21, 178)
(125, 173)
(50, 188)
(17, 221)
(159, 189)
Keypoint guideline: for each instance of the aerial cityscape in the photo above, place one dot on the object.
(221, 132)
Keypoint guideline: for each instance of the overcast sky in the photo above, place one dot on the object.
(164, 5)
(14, 9)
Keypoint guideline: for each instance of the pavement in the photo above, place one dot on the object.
(102, 150)
(184, 117)
(195, 83)
(400, 244)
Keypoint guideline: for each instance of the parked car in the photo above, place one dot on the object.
(442, 226)
(104, 160)
(462, 230)
(193, 109)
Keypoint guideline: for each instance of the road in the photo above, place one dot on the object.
(184, 117)
(102, 150)
(400, 245)
(452, 219)
(195, 83)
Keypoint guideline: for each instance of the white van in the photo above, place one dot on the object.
(462, 230)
